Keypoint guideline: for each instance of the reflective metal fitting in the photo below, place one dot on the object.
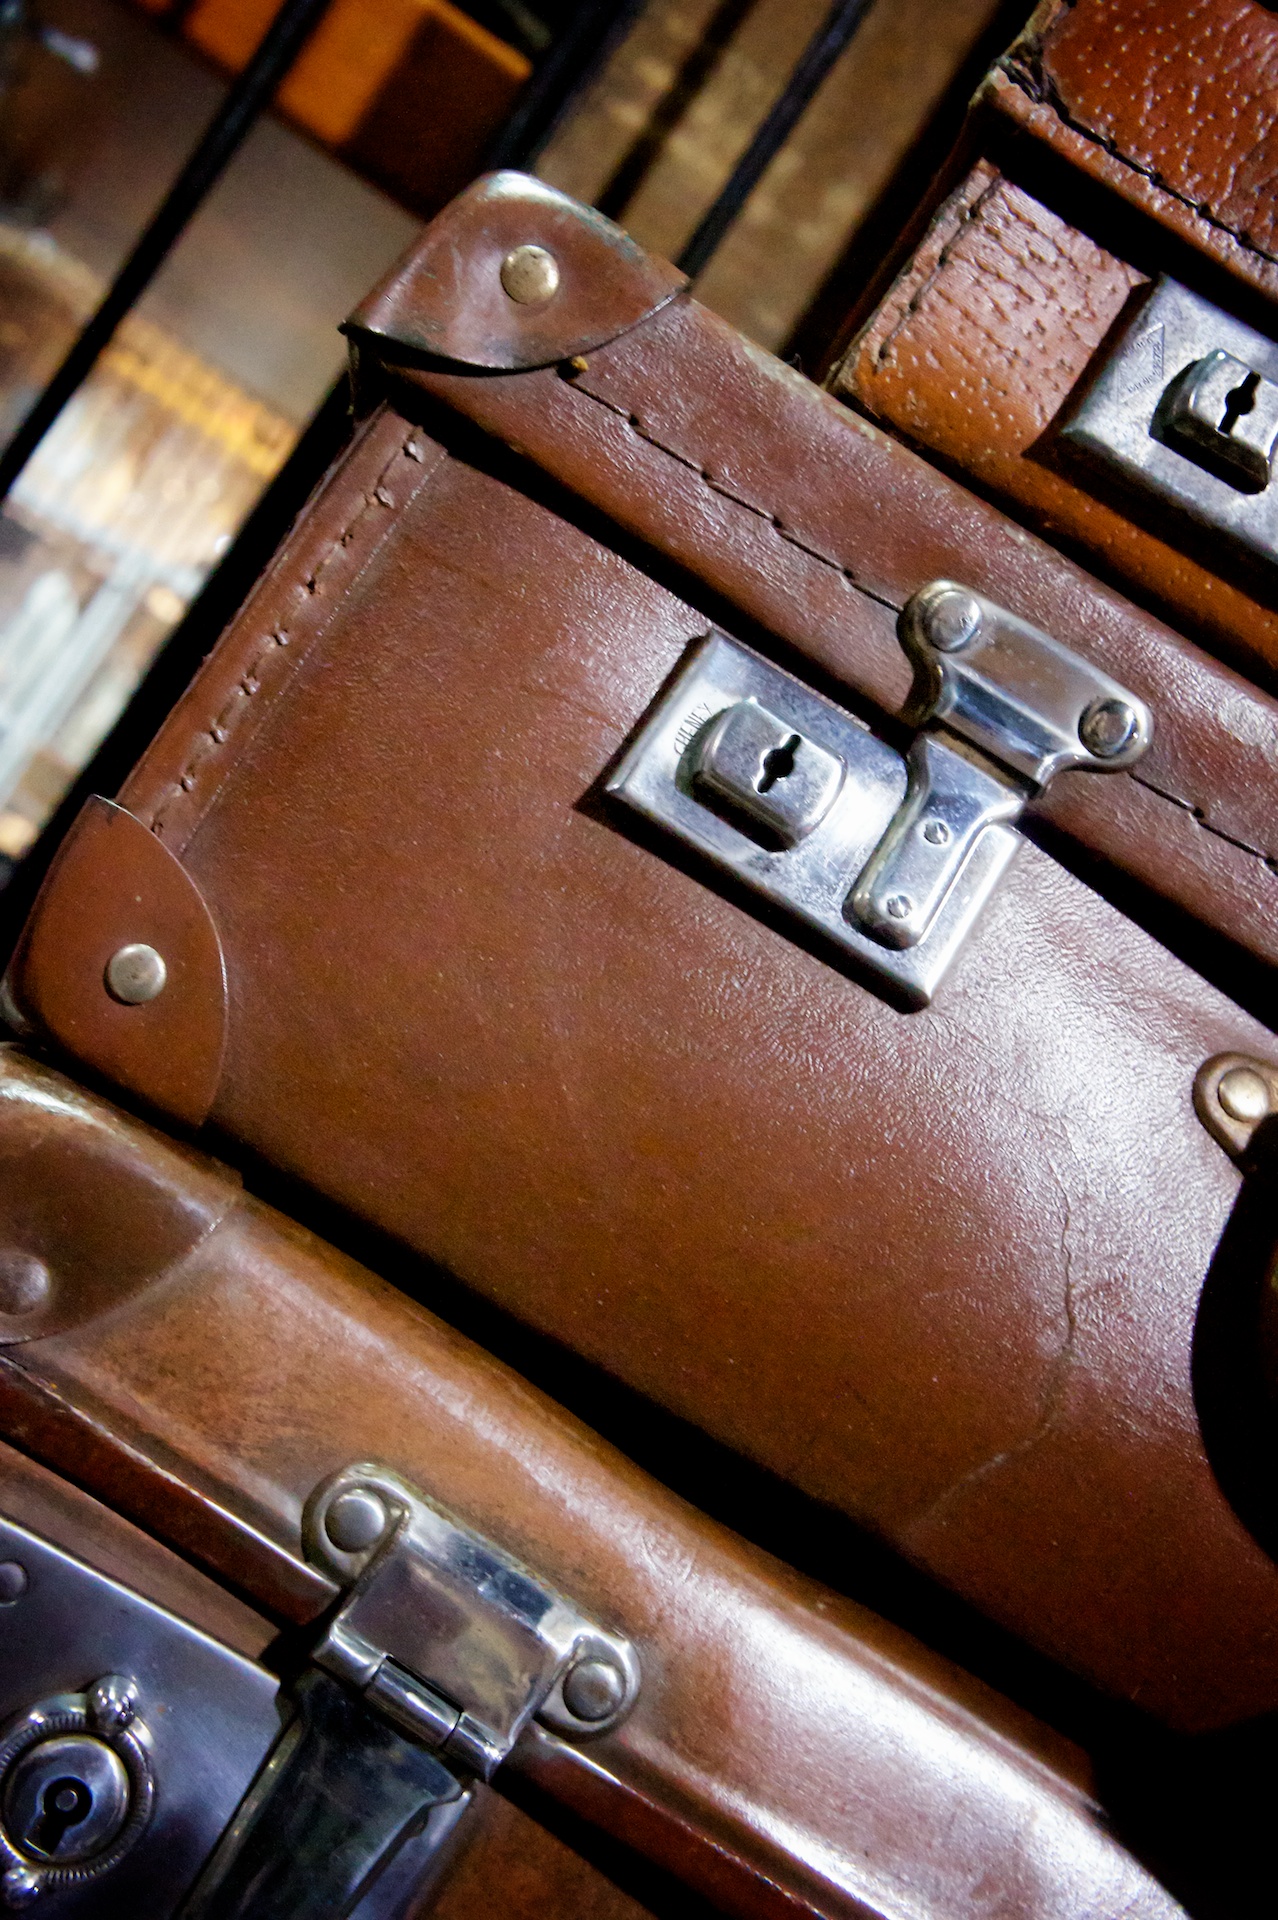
(530, 275)
(76, 1790)
(448, 1637)
(890, 859)
(1233, 1094)
(135, 974)
(1186, 409)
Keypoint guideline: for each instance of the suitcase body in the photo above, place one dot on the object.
(1114, 148)
(208, 1368)
(939, 1269)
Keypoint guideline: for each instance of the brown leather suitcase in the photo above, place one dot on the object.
(392, 1506)
(1104, 231)
(457, 890)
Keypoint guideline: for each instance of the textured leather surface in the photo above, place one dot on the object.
(977, 350)
(446, 297)
(924, 1267)
(1170, 103)
(111, 885)
(789, 1753)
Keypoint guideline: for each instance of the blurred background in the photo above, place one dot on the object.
(777, 145)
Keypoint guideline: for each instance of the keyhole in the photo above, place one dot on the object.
(63, 1804)
(1240, 401)
(778, 762)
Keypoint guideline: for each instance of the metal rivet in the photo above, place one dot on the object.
(936, 833)
(1244, 1095)
(1108, 728)
(356, 1520)
(530, 275)
(594, 1689)
(135, 974)
(13, 1581)
(951, 619)
(900, 905)
(113, 1700)
(25, 1281)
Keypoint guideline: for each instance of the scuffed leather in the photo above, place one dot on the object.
(789, 1753)
(445, 297)
(1170, 103)
(975, 353)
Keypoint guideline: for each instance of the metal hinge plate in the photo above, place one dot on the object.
(888, 858)
(448, 1636)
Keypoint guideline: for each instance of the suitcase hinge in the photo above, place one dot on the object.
(448, 1637)
(890, 857)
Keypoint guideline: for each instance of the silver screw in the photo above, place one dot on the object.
(951, 619)
(1244, 1094)
(594, 1689)
(135, 974)
(1108, 728)
(530, 275)
(25, 1281)
(113, 1701)
(355, 1521)
(936, 833)
(13, 1581)
(900, 905)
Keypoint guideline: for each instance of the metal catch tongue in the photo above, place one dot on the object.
(890, 857)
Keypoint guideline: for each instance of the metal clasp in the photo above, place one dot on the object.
(889, 858)
(449, 1638)
(1186, 408)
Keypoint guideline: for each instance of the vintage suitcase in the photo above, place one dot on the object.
(1105, 255)
(555, 867)
(399, 1510)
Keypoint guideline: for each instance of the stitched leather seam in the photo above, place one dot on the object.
(970, 213)
(772, 521)
(210, 740)
(1038, 88)
(1267, 860)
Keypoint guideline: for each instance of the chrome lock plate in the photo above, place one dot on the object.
(449, 1637)
(1186, 408)
(890, 859)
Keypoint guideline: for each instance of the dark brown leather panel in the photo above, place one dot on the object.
(977, 349)
(512, 1864)
(788, 1752)
(820, 527)
(893, 1258)
(1169, 103)
(81, 1526)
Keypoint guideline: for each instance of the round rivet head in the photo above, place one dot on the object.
(936, 833)
(594, 1689)
(135, 974)
(1108, 728)
(899, 905)
(355, 1521)
(530, 275)
(25, 1281)
(1244, 1095)
(13, 1582)
(113, 1701)
(951, 619)
(20, 1887)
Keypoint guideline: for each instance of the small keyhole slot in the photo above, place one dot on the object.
(778, 764)
(63, 1805)
(1238, 402)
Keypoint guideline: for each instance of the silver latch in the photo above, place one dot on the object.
(447, 1636)
(890, 859)
(1186, 408)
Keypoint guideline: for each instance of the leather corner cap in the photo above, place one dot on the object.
(113, 885)
(449, 296)
(93, 1206)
